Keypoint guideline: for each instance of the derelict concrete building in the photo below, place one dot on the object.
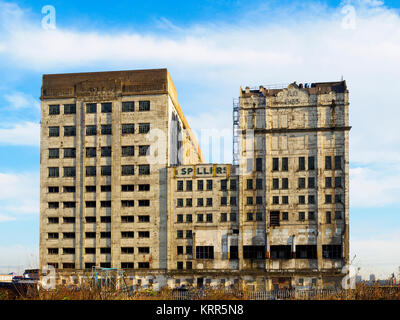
(124, 183)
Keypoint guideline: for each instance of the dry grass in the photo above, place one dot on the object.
(362, 292)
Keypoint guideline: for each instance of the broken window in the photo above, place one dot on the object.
(144, 105)
(144, 218)
(302, 183)
(53, 189)
(311, 215)
(285, 164)
(328, 162)
(249, 200)
(106, 188)
(285, 199)
(69, 131)
(91, 130)
(306, 252)
(128, 128)
(249, 216)
(90, 235)
(311, 199)
(144, 203)
(144, 234)
(144, 169)
(338, 182)
(233, 217)
(259, 164)
(253, 252)
(144, 250)
(105, 219)
(233, 185)
(232, 201)
(311, 163)
(338, 162)
(224, 201)
(127, 250)
(275, 183)
(127, 234)
(302, 199)
(128, 106)
(249, 184)
(91, 107)
(105, 204)
(54, 131)
(127, 265)
(54, 153)
(127, 203)
(285, 216)
(53, 220)
(332, 251)
(259, 184)
(233, 252)
(68, 250)
(280, 252)
(53, 205)
(144, 127)
(106, 129)
(127, 170)
(275, 200)
(143, 265)
(311, 182)
(90, 188)
(54, 109)
(275, 164)
(52, 251)
(328, 217)
(302, 216)
(328, 198)
(53, 172)
(90, 171)
(209, 202)
(106, 151)
(338, 215)
(274, 218)
(106, 170)
(285, 183)
(52, 235)
(105, 235)
(259, 216)
(127, 219)
(204, 252)
(144, 187)
(69, 108)
(188, 202)
(90, 152)
(90, 219)
(106, 107)
(69, 219)
(302, 163)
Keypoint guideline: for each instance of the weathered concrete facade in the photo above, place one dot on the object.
(106, 140)
(124, 184)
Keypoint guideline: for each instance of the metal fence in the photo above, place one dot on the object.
(313, 294)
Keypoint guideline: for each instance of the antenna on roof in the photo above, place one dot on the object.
(342, 78)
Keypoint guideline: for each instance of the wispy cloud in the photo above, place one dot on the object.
(19, 196)
(20, 100)
(25, 134)
(374, 187)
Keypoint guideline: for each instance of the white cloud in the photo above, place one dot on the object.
(374, 188)
(26, 134)
(19, 196)
(20, 100)
(379, 255)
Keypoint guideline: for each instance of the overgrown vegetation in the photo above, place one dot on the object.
(362, 292)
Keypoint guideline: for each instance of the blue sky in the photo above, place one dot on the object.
(211, 48)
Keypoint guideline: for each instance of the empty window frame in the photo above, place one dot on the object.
(204, 252)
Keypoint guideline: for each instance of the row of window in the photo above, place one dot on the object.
(302, 199)
(104, 250)
(208, 186)
(276, 252)
(104, 219)
(103, 235)
(103, 204)
(54, 153)
(200, 202)
(302, 183)
(276, 216)
(90, 265)
(106, 107)
(103, 188)
(91, 171)
(284, 166)
(106, 129)
(188, 218)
